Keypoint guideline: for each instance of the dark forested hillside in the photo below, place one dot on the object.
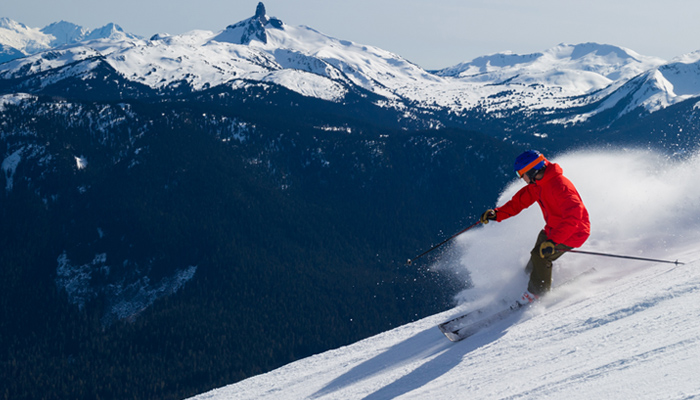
(156, 250)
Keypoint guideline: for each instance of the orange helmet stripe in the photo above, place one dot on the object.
(531, 165)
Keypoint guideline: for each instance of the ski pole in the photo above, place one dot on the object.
(619, 256)
(410, 261)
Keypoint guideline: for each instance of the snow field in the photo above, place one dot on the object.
(637, 337)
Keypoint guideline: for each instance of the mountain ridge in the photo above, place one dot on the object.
(26, 41)
(264, 49)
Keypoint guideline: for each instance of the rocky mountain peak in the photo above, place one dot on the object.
(260, 12)
(252, 28)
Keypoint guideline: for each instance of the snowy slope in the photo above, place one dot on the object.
(598, 64)
(8, 53)
(23, 38)
(629, 330)
(659, 87)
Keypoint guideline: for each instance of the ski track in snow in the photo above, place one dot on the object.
(629, 330)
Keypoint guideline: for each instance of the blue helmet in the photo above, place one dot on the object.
(530, 163)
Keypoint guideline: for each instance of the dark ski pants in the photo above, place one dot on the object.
(541, 268)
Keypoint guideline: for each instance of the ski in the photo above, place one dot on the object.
(465, 325)
(459, 322)
(458, 329)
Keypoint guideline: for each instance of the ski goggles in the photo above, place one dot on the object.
(528, 167)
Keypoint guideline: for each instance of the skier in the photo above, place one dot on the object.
(566, 218)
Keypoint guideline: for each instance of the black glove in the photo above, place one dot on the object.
(547, 248)
(489, 215)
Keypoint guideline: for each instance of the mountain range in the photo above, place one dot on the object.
(181, 194)
(18, 40)
(567, 84)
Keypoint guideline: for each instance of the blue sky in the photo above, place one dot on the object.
(431, 34)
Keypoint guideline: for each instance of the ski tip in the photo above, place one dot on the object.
(453, 336)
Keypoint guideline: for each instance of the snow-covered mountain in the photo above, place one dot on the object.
(19, 40)
(654, 89)
(627, 330)
(263, 49)
(22, 38)
(563, 76)
(600, 65)
(66, 33)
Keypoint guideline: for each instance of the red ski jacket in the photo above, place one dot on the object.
(565, 215)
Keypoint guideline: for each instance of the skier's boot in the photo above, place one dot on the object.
(527, 298)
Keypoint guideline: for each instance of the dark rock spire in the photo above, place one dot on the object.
(261, 15)
(252, 28)
(260, 11)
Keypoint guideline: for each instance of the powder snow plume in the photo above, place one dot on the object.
(641, 204)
